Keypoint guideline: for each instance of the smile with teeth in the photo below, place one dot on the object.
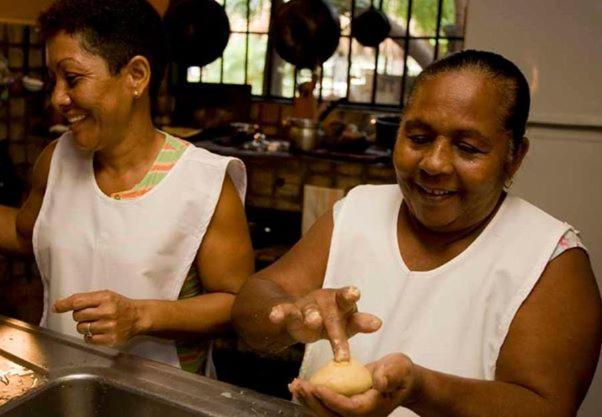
(434, 192)
(75, 119)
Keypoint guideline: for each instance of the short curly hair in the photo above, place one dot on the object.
(116, 30)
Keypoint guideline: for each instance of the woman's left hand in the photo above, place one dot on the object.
(396, 382)
(103, 317)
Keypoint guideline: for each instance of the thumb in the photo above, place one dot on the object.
(392, 373)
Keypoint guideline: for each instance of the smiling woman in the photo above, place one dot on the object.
(140, 238)
(479, 303)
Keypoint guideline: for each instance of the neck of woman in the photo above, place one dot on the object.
(137, 148)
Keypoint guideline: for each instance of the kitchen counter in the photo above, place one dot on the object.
(47, 374)
(376, 156)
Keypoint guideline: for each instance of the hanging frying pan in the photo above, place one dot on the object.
(305, 32)
(371, 27)
(198, 31)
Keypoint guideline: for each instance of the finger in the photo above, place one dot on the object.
(100, 339)
(356, 405)
(85, 328)
(362, 323)
(392, 372)
(79, 301)
(347, 298)
(336, 331)
(97, 327)
(312, 317)
(87, 314)
(295, 388)
(282, 313)
(308, 398)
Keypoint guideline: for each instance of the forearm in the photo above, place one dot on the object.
(251, 311)
(444, 395)
(206, 314)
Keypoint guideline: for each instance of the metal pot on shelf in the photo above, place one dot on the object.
(304, 134)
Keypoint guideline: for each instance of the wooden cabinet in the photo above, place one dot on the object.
(277, 182)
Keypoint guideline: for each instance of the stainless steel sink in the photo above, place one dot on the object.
(85, 395)
(64, 377)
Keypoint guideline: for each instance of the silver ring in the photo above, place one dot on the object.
(88, 331)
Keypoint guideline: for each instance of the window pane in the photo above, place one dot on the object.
(390, 71)
(211, 73)
(362, 73)
(237, 14)
(397, 11)
(260, 15)
(234, 59)
(257, 55)
(448, 46)
(343, 8)
(414, 67)
(453, 18)
(334, 72)
(424, 18)
(422, 51)
(283, 78)
(193, 75)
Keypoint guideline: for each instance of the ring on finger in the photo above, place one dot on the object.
(89, 333)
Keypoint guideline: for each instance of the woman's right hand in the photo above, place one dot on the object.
(326, 314)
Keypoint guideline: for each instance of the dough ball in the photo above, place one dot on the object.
(346, 378)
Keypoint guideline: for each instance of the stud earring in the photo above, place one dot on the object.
(508, 183)
(136, 93)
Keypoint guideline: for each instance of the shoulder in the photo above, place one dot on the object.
(523, 207)
(203, 157)
(372, 199)
(41, 168)
(374, 191)
(207, 166)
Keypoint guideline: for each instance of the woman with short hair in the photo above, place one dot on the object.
(140, 238)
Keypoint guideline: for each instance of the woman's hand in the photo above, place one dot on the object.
(103, 317)
(396, 382)
(326, 314)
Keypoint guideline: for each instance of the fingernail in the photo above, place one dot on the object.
(376, 323)
(353, 292)
(314, 315)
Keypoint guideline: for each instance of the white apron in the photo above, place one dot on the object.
(452, 319)
(85, 241)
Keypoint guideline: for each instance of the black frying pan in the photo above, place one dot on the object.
(198, 31)
(305, 32)
(371, 27)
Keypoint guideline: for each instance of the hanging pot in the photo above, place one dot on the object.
(305, 32)
(371, 27)
(198, 31)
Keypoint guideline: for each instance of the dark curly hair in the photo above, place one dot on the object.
(116, 30)
(512, 83)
